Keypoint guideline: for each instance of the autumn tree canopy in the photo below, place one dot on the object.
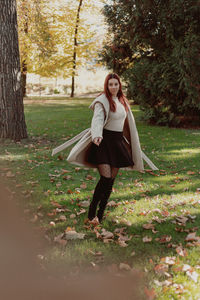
(47, 32)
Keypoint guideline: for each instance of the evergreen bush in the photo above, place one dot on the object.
(155, 47)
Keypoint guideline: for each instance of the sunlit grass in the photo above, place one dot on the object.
(175, 188)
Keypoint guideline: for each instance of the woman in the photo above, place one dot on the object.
(111, 143)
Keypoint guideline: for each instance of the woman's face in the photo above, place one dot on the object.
(113, 86)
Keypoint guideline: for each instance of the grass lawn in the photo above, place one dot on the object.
(154, 216)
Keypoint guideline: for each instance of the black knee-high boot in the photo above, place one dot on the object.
(98, 192)
(105, 196)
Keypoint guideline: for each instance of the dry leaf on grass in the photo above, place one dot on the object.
(186, 268)
(122, 243)
(125, 267)
(126, 222)
(148, 226)
(10, 174)
(112, 204)
(83, 186)
(169, 260)
(82, 211)
(151, 294)
(163, 283)
(62, 218)
(165, 239)
(193, 275)
(161, 269)
(59, 239)
(73, 235)
(147, 239)
(94, 222)
(84, 203)
(181, 251)
(107, 234)
(72, 216)
(192, 237)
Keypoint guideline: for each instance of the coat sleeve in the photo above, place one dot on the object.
(97, 121)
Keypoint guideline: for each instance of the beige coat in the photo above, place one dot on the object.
(78, 154)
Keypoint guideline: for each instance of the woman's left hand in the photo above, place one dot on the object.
(97, 141)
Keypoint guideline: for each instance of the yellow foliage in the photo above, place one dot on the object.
(46, 35)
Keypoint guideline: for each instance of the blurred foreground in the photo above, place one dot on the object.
(23, 277)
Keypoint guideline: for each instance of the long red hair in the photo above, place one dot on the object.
(120, 93)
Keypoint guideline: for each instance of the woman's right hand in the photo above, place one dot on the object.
(97, 141)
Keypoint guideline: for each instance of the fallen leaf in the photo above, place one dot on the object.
(67, 177)
(156, 210)
(107, 234)
(151, 294)
(10, 174)
(181, 251)
(181, 219)
(84, 203)
(191, 173)
(163, 283)
(94, 222)
(63, 171)
(144, 213)
(89, 177)
(82, 211)
(72, 216)
(161, 268)
(192, 237)
(62, 218)
(186, 268)
(165, 239)
(147, 239)
(148, 226)
(83, 185)
(73, 235)
(53, 224)
(112, 204)
(169, 260)
(179, 288)
(193, 275)
(122, 243)
(165, 213)
(69, 192)
(125, 267)
(59, 239)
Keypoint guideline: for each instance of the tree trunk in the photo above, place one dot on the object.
(24, 67)
(24, 77)
(12, 122)
(75, 47)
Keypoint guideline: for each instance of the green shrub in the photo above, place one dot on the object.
(161, 63)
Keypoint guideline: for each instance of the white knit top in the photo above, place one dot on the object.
(115, 121)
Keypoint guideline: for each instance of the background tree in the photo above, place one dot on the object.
(157, 46)
(36, 37)
(75, 45)
(12, 122)
(78, 37)
(47, 35)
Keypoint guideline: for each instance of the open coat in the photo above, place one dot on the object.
(78, 154)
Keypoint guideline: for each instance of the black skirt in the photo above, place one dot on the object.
(112, 150)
